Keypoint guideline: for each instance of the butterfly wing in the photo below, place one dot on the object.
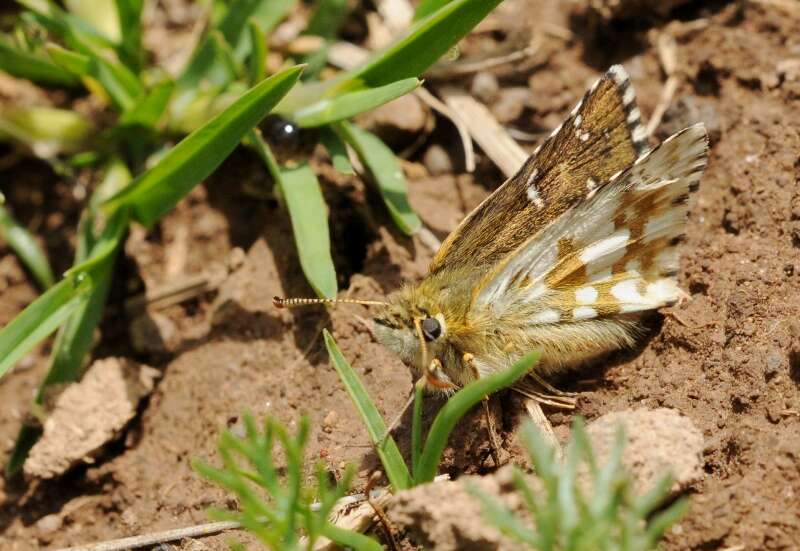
(602, 136)
(612, 253)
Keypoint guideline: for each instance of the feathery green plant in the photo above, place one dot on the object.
(280, 508)
(604, 515)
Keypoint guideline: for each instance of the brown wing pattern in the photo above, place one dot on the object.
(601, 137)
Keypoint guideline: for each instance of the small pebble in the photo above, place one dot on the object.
(437, 160)
(484, 86)
(330, 420)
(773, 363)
(49, 524)
(510, 104)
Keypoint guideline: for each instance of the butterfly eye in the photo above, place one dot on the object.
(431, 329)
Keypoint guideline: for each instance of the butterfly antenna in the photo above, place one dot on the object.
(279, 302)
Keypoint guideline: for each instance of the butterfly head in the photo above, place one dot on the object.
(417, 330)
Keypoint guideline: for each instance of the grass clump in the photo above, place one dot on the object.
(278, 506)
(602, 515)
(214, 103)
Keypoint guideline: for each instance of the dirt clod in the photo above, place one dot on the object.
(89, 414)
(657, 442)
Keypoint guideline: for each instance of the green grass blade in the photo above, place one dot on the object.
(387, 450)
(77, 64)
(302, 195)
(427, 7)
(101, 15)
(416, 426)
(233, 26)
(24, 244)
(122, 86)
(39, 319)
(159, 189)
(45, 130)
(427, 41)
(34, 67)
(502, 518)
(388, 176)
(337, 150)
(256, 62)
(349, 539)
(149, 108)
(327, 18)
(345, 106)
(457, 406)
(663, 520)
(129, 14)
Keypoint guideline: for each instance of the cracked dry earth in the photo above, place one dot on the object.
(729, 359)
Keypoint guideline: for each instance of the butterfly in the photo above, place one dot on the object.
(564, 257)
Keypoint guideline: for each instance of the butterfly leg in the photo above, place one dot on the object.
(469, 361)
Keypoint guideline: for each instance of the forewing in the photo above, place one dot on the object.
(612, 253)
(602, 136)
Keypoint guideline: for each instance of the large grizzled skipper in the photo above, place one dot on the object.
(564, 257)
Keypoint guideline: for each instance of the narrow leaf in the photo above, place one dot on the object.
(149, 108)
(34, 67)
(256, 62)
(301, 192)
(427, 41)
(39, 319)
(348, 105)
(100, 14)
(350, 539)
(158, 190)
(385, 446)
(337, 150)
(427, 7)
(129, 14)
(388, 176)
(45, 130)
(457, 406)
(327, 18)
(24, 244)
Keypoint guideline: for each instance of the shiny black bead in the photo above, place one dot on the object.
(280, 132)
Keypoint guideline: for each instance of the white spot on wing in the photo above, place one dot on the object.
(618, 73)
(584, 313)
(663, 291)
(615, 242)
(591, 184)
(633, 265)
(634, 115)
(546, 316)
(584, 136)
(586, 295)
(639, 133)
(625, 291)
(578, 121)
(628, 96)
(533, 196)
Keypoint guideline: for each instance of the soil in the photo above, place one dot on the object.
(728, 359)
